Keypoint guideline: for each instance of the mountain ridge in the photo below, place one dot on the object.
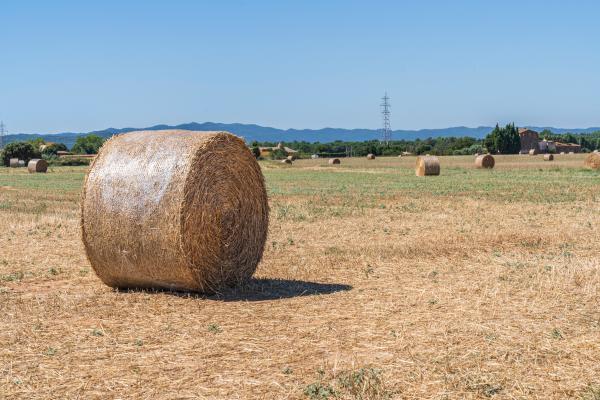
(252, 132)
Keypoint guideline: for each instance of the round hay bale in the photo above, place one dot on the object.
(177, 210)
(562, 152)
(485, 161)
(333, 161)
(314, 156)
(399, 155)
(291, 158)
(21, 163)
(286, 161)
(37, 165)
(427, 165)
(533, 152)
(592, 161)
(571, 152)
(548, 157)
(13, 162)
(370, 156)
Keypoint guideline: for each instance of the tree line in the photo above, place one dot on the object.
(501, 140)
(39, 148)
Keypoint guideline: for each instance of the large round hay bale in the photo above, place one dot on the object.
(37, 165)
(291, 158)
(286, 161)
(370, 156)
(592, 161)
(548, 157)
(533, 152)
(485, 161)
(333, 161)
(427, 165)
(21, 163)
(13, 162)
(174, 209)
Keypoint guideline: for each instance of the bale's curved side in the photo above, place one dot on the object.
(370, 156)
(13, 162)
(548, 157)
(427, 166)
(485, 161)
(37, 165)
(533, 152)
(21, 163)
(178, 210)
(286, 161)
(333, 161)
(592, 161)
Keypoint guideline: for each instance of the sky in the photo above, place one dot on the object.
(78, 66)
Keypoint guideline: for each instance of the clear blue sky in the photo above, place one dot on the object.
(83, 65)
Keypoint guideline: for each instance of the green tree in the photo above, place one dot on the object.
(51, 149)
(22, 150)
(256, 151)
(89, 144)
(503, 140)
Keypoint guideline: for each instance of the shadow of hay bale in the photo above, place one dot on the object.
(260, 290)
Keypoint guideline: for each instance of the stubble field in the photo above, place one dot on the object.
(374, 284)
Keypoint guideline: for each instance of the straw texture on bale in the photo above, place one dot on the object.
(548, 157)
(485, 161)
(37, 165)
(592, 161)
(533, 152)
(370, 156)
(286, 161)
(334, 161)
(179, 210)
(13, 162)
(427, 165)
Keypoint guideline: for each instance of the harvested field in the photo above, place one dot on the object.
(476, 284)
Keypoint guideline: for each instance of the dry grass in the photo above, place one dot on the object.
(374, 284)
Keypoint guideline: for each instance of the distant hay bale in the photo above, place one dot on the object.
(562, 152)
(370, 156)
(533, 152)
(548, 157)
(427, 165)
(291, 158)
(37, 165)
(571, 152)
(13, 162)
(314, 156)
(485, 161)
(286, 161)
(399, 155)
(174, 209)
(334, 161)
(592, 161)
(21, 163)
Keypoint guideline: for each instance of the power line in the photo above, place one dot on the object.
(385, 112)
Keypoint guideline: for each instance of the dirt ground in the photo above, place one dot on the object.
(374, 284)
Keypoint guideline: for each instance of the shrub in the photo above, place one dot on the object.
(278, 154)
(51, 149)
(89, 144)
(70, 161)
(256, 151)
(21, 150)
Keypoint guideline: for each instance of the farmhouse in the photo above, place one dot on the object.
(266, 151)
(530, 140)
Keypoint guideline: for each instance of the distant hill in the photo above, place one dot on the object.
(252, 132)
